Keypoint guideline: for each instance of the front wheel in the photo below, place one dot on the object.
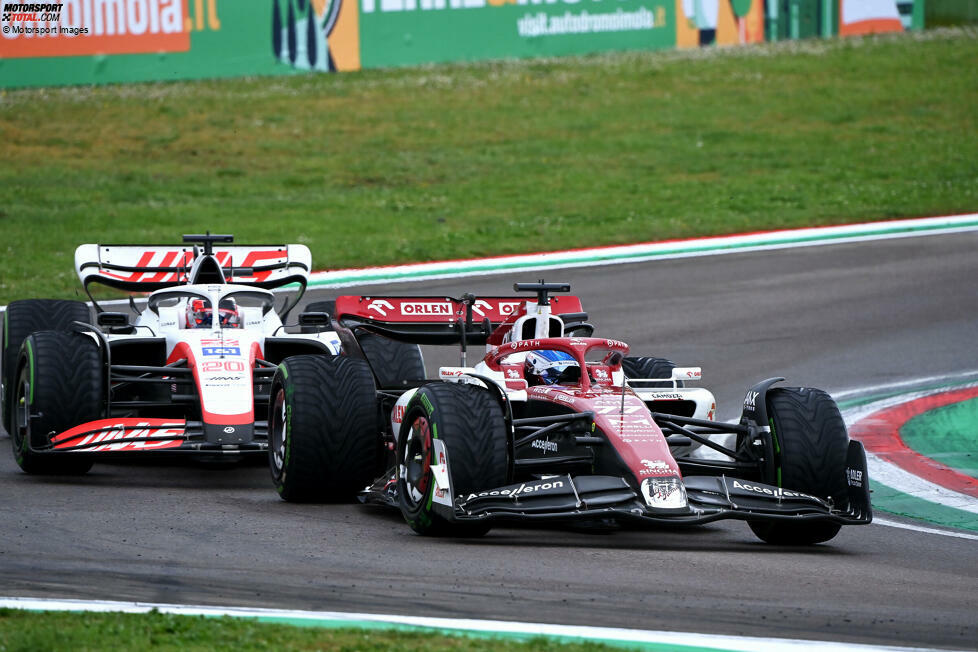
(20, 319)
(322, 428)
(60, 384)
(810, 449)
(469, 421)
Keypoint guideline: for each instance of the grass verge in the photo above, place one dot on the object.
(30, 631)
(382, 167)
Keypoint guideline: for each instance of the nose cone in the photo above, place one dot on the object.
(664, 493)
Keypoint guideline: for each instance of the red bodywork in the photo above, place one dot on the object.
(103, 435)
(502, 312)
(618, 412)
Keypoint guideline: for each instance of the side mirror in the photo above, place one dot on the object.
(111, 319)
(319, 319)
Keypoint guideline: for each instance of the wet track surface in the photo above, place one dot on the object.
(837, 317)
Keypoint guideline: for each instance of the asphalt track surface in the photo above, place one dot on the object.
(838, 317)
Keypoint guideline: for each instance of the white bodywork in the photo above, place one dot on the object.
(222, 358)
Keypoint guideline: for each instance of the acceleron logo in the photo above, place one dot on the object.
(316, 34)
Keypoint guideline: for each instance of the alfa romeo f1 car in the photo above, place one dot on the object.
(552, 425)
(189, 373)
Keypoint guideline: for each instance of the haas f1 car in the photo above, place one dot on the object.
(551, 425)
(189, 373)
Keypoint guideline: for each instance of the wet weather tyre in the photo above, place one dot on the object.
(646, 367)
(469, 421)
(20, 319)
(323, 433)
(396, 364)
(811, 446)
(60, 384)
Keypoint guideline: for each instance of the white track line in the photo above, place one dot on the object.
(920, 528)
(646, 251)
(885, 387)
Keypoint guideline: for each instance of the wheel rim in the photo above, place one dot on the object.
(21, 431)
(415, 463)
(279, 432)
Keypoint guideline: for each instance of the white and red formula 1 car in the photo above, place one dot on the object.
(552, 425)
(189, 373)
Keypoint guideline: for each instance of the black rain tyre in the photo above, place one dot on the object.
(323, 438)
(646, 367)
(61, 383)
(395, 363)
(470, 423)
(811, 446)
(22, 318)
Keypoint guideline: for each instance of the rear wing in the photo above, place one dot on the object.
(439, 319)
(144, 268)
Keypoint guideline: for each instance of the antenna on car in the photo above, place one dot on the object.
(467, 299)
(542, 289)
(208, 240)
(621, 422)
(206, 268)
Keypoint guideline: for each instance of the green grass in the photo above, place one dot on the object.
(30, 631)
(950, 12)
(382, 167)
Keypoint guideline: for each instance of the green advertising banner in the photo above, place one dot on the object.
(100, 41)
(404, 32)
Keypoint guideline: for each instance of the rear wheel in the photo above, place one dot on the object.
(395, 364)
(323, 436)
(469, 421)
(810, 449)
(20, 320)
(646, 367)
(60, 384)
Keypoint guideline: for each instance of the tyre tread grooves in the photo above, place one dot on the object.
(393, 362)
(813, 449)
(68, 391)
(649, 367)
(333, 418)
(27, 316)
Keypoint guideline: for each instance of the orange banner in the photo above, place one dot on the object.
(87, 27)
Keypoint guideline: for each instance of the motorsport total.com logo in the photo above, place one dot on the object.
(46, 19)
(102, 27)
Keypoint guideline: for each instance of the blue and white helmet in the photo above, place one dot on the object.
(550, 367)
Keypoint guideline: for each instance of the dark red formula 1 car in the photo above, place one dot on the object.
(551, 424)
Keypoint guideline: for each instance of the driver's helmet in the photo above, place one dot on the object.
(199, 314)
(550, 367)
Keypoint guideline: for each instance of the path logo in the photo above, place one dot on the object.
(88, 27)
(316, 34)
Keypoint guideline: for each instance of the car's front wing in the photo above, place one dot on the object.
(124, 435)
(708, 498)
